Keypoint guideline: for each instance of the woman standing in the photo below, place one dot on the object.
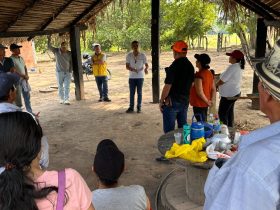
(229, 86)
(203, 91)
(23, 184)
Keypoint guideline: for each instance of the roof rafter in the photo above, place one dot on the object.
(85, 12)
(51, 19)
(38, 33)
(267, 8)
(22, 13)
(251, 5)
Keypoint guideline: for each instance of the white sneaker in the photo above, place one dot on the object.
(67, 102)
(61, 101)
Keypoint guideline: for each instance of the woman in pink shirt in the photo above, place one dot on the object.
(23, 184)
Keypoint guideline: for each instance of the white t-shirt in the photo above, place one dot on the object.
(137, 62)
(232, 81)
(131, 197)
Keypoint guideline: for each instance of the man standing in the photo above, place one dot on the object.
(135, 62)
(23, 88)
(6, 64)
(174, 99)
(99, 68)
(63, 70)
(250, 179)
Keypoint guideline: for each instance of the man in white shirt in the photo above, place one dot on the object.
(251, 178)
(135, 63)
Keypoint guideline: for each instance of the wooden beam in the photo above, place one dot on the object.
(260, 11)
(267, 8)
(77, 62)
(85, 12)
(259, 53)
(274, 23)
(22, 13)
(37, 33)
(155, 49)
(52, 18)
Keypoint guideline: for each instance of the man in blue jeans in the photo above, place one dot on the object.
(174, 99)
(63, 70)
(136, 64)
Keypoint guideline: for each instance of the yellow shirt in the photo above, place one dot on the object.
(99, 69)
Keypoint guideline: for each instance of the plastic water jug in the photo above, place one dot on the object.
(186, 134)
(197, 129)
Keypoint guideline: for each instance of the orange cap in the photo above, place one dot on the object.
(180, 46)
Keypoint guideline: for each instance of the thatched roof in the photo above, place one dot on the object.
(46, 15)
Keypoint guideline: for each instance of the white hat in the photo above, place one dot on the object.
(269, 71)
(95, 44)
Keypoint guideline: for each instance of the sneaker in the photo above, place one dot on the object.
(67, 102)
(129, 110)
(107, 100)
(100, 100)
(61, 101)
(138, 110)
(162, 159)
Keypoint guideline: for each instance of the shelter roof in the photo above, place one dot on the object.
(46, 15)
(268, 9)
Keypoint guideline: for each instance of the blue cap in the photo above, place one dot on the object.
(7, 81)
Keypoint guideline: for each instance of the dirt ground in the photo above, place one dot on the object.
(74, 131)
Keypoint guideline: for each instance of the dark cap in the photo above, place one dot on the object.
(203, 58)
(108, 161)
(237, 54)
(7, 81)
(3, 47)
(14, 46)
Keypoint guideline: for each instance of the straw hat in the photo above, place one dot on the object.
(269, 71)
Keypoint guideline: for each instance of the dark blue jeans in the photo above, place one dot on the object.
(135, 84)
(102, 85)
(178, 111)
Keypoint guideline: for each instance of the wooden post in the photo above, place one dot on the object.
(259, 53)
(155, 49)
(77, 62)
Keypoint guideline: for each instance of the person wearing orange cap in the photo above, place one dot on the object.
(174, 99)
(229, 86)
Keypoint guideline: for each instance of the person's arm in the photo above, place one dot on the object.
(130, 68)
(91, 207)
(213, 92)
(199, 91)
(164, 94)
(148, 204)
(146, 68)
(99, 61)
(50, 47)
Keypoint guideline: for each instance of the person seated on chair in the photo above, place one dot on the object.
(108, 166)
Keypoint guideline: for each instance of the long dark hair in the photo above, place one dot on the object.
(20, 143)
(242, 62)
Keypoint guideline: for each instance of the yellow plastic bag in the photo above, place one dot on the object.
(191, 152)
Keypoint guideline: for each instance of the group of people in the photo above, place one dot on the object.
(25, 184)
(136, 64)
(184, 86)
(15, 64)
(248, 180)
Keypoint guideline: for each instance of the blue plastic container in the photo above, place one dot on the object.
(197, 129)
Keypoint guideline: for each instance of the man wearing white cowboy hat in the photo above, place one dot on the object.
(251, 178)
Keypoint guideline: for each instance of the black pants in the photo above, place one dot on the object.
(226, 111)
(197, 111)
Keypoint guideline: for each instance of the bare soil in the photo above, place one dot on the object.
(74, 131)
